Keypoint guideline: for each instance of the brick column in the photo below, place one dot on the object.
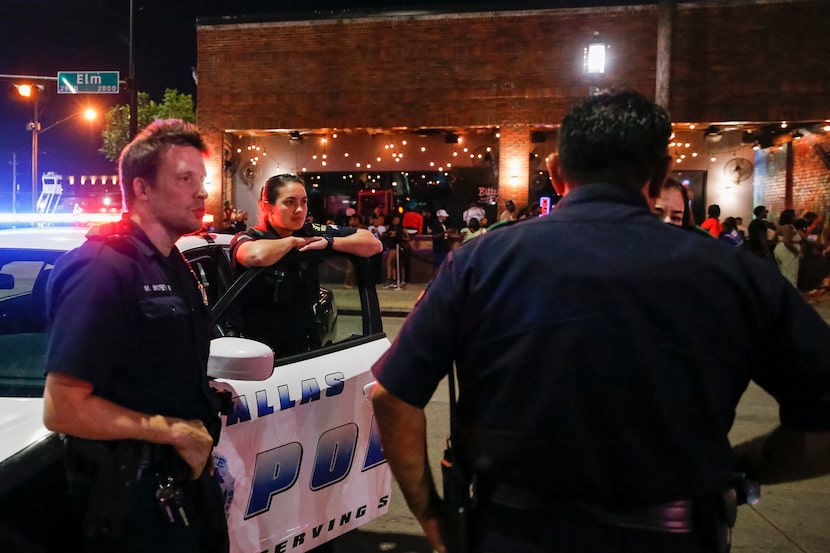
(514, 165)
(218, 189)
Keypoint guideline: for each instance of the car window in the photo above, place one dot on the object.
(300, 305)
(212, 270)
(23, 277)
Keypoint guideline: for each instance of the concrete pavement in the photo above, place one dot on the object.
(790, 518)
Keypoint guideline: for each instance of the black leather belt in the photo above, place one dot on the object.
(676, 517)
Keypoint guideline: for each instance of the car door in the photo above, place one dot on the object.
(300, 453)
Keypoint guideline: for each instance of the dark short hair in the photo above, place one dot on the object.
(714, 210)
(759, 210)
(616, 137)
(141, 157)
(271, 190)
(787, 217)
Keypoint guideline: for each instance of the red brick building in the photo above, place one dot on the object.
(758, 69)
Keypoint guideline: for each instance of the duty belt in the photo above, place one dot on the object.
(676, 517)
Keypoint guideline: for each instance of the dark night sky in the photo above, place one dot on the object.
(42, 37)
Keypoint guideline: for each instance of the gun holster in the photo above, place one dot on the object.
(111, 468)
(457, 502)
(715, 517)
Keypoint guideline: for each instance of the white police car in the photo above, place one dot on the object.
(300, 453)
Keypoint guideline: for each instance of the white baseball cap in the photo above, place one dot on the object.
(442, 213)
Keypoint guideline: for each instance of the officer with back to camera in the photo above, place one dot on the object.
(595, 399)
(127, 360)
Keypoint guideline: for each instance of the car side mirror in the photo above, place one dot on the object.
(240, 359)
(6, 281)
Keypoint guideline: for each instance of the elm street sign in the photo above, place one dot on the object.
(89, 82)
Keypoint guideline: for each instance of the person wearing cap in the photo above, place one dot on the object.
(595, 397)
(473, 211)
(509, 213)
(440, 238)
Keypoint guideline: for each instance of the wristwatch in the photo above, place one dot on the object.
(330, 244)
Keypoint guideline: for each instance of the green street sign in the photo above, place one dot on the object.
(87, 82)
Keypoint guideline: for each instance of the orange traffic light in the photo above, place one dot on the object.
(28, 90)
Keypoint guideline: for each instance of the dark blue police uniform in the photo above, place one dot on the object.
(276, 307)
(134, 324)
(601, 354)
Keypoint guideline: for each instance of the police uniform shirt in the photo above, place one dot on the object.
(308, 230)
(131, 322)
(276, 307)
(591, 370)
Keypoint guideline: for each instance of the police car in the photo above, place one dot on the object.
(299, 457)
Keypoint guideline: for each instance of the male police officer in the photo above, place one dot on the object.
(126, 364)
(595, 395)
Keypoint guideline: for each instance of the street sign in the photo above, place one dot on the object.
(88, 82)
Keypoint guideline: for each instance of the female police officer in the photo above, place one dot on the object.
(277, 305)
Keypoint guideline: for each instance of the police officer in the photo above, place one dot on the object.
(276, 307)
(127, 359)
(595, 394)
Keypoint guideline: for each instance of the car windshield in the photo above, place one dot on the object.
(23, 276)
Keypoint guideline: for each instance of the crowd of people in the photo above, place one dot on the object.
(799, 246)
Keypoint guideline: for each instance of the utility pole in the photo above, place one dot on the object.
(35, 132)
(14, 182)
(132, 86)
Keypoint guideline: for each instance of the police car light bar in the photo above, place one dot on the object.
(81, 219)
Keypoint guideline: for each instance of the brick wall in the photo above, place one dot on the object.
(811, 176)
(733, 60)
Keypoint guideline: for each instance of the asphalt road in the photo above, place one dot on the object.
(791, 518)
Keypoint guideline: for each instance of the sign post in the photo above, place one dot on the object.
(88, 82)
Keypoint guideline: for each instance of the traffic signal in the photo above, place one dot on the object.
(29, 90)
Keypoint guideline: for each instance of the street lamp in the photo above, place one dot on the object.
(594, 61)
(33, 91)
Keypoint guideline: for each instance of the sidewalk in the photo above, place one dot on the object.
(396, 302)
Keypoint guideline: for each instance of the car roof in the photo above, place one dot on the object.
(67, 238)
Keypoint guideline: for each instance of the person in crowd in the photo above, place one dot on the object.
(354, 222)
(712, 223)
(396, 261)
(440, 238)
(739, 222)
(238, 221)
(761, 234)
(645, 417)
(788, 249)
(535, 210)
(227, 213)
(473, 211)
(812, 267)
(672, 206)
(126, 365)
(509, 213)
(730, 234)
(379, 216)
(472, 230)
(276, 308)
